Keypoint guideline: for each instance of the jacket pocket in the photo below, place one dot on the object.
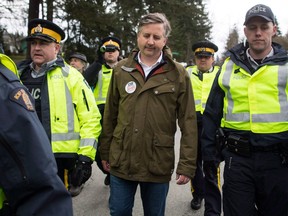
(163, 157)
(116, 148)
(164, 89)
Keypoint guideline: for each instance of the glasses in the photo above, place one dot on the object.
(108, 49)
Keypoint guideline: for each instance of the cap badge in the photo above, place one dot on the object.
(257, 9)
(38, 28)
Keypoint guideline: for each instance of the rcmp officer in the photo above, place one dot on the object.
(248, 100)
(78, 61)
(28, 181)
(64, 104)
(98, 75)
(205, 183)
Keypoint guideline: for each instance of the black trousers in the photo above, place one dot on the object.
(212, 195)
(206, 182)
(98, 159)
(65, 164)
(255, 185)
(197, 184)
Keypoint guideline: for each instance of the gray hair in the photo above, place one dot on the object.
(154, 18)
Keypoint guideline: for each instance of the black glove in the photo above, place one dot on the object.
(82, 171)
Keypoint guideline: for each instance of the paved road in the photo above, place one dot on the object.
(93, 200)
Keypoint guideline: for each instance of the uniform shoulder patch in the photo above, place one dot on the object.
(21, 97)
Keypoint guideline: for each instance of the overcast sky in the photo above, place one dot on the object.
(225, 14)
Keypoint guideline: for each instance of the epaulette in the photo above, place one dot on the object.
(8, 74)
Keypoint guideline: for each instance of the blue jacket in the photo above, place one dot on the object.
(28, 172)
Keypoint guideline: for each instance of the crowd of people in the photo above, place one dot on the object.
(124, 113)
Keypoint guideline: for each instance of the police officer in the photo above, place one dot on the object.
(64, 103)
(29, 181)
(98, 76)
(249, 101)
(205, 184)
(78, 61)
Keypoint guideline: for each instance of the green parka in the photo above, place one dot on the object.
(140, 121)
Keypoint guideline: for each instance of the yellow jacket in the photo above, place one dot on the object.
(250, 105)
(201, 88)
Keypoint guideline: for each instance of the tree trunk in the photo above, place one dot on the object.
(49, 10)
(33, 13)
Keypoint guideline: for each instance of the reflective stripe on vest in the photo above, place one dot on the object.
(101, 89)
(255, 102)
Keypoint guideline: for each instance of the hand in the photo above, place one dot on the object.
(106, 165)
(182, 179)
(82, 171)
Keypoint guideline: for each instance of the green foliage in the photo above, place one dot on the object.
(91, 20)
(233, 38)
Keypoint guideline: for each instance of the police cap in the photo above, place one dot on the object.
(260, 10)
(110, 44)
(204, 48)
(45, 30)
(78, 56)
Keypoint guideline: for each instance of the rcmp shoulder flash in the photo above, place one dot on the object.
(21, 97)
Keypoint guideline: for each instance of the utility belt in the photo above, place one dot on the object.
(240, 145)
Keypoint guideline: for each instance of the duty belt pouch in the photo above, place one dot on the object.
(238, 145)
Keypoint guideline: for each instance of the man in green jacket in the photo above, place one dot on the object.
(148, 94)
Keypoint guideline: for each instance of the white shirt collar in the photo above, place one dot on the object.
(147, 69)
(253, 63)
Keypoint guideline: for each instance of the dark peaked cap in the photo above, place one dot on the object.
(204, 48)
(45, 30)
(110, 44)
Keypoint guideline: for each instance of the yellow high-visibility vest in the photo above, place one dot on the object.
(102, 86)
(257, 102)
(201, 88)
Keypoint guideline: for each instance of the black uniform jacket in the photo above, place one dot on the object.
(28, 173)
